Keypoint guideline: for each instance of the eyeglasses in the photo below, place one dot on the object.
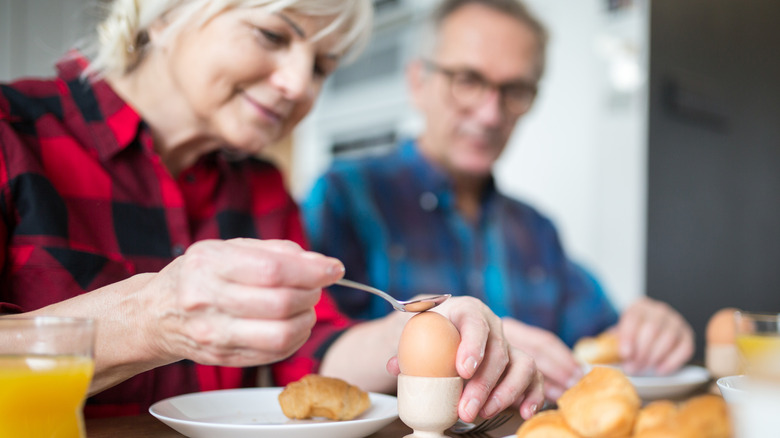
(469, 89)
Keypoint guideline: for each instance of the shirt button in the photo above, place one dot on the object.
(190, 178)
(429, 201)
(177, 250)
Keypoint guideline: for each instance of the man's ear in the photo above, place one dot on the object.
(415, 80)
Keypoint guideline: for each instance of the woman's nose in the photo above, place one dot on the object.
(294, 77)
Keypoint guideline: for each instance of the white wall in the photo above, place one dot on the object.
(5, 39)
(35, 33)
(579, 156)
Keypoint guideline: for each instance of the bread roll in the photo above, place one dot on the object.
(546, 424)
(603, 404)
(705, 416)
(602, 349)
(665, 431)
(318, 396)
(661, 413)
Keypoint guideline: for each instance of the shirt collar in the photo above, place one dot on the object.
(434, 179)
(111, 125)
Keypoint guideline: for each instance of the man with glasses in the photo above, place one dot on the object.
(428, 219)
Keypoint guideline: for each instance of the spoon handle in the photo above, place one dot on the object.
(375, 291)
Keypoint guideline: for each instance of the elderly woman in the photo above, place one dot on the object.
(131, 195)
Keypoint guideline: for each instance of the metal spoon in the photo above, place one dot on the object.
(420, 305)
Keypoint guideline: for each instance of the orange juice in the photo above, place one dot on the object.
(42, 396)
(760, 355)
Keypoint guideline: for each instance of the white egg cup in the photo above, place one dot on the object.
(429, 405)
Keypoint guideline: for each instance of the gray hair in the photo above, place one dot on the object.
(513, 8)
(122, 36)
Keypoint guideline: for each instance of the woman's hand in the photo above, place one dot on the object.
(239, 302)
(497, 374)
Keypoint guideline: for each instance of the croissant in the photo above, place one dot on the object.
(319, 396)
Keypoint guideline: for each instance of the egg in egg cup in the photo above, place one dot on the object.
(429, 386)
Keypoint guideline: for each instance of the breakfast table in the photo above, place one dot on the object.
(146, 426)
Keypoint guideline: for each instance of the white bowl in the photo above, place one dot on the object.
(733, 388)
(754, 406)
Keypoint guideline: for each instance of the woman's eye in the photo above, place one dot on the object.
(324, 66)
(273, 37)
(320, 71)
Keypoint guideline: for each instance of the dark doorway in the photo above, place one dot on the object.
(714, 157)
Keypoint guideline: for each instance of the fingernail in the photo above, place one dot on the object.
(470, 364)
(336, 270)
(472, 408)
(492, 407)
(573, 381)
(534, 408)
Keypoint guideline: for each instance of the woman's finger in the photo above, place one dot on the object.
(261, 263)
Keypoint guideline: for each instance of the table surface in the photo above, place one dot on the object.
(146, 426)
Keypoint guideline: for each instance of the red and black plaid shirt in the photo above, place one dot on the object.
(86, 202)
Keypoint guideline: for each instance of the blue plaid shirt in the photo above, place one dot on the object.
(392, 220)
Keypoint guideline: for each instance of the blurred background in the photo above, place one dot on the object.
(654, 143)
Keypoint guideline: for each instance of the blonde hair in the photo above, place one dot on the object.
(122, 37)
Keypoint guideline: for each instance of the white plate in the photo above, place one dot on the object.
(255, 412)
(678, 384)
(674, 385)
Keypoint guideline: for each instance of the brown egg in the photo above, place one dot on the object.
(721, 327)
(720, 354)
(428, 345)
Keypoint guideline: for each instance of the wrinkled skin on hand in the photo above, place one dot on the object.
(239, 302)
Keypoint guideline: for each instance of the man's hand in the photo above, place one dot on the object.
(553, 358)
(654, 337)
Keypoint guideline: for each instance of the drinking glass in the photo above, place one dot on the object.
(46, 366)
(758, 342)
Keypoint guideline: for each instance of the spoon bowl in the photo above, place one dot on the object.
(414, 306)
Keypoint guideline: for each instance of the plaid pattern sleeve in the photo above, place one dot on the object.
(392, 220)
(86, 202)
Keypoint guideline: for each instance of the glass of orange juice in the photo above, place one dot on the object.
(758, 342)
(46, 366)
